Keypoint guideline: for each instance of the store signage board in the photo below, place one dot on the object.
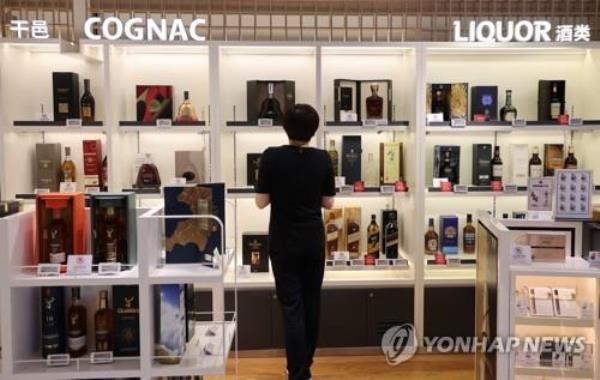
(520, 31)
(540, 194)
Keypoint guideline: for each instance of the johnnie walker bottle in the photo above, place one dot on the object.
(373, 237)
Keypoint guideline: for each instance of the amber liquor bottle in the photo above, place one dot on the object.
(497, 165)
(431, 239)
(111, 237)
(76, 325)
(373, 238)
(88, 104)
(186, 111)
(68, 167)
(103, 324)
(374, 104)
(334, 156)
(469, 236)
(54, 235)
(571, 161)
(536, 168)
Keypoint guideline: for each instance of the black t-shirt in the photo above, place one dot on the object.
(296, 178)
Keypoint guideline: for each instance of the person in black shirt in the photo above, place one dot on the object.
(297, 181)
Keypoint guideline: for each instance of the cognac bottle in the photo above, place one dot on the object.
(373, 238)
(110, 237)
(571, 161)
(469, 236)
(333, 154)
(497, 165)
(374, 104)
(390, 238)
(508, 112)
(148, 176)
(53, 321)
(103, 324)
(186, 111)
(536, 169)
(270, 108)
(88, 104)
(431, 239)
(68, 167)
(55, 236)
(76, 325)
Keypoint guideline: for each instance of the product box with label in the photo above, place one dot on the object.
(126, 323)
(553, 158)
(438, 99)
(449, 234)
(519, 155)
(194, 240)
(551, 99)
(258, 104)
(390, 233)
(65, 90)
(390, 156)
(346, 100)
(352, 216)
(92, 163)
(446, 162)
(169, 322)
(482, 164)
(255, 251)
(547, 247)
(154, 102)
(484, 102)
(48, 160)
(189, 164)
(351, 159)
(334, 231)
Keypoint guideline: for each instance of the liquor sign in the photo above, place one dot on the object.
(521, 31)
(138, 29)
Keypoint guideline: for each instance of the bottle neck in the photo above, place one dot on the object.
(509, 99)
(86, 85)
(103, 303)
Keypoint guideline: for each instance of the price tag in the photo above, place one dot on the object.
(340, 181)
(453, 261)
(576, 122)
(387, 189)
(382, 263)
(58, 360)
(437, 182)
(178, 181)
(519, 123)
(79, 265)
(435, 118)
(594, 259)
(341, 256)
(73, 123)
(357, 264)
(346, 189)
(340, 264)
(48, 270)
(92, 189)
(109, 269)
(511, 189)
(164, 123)
(382, 122)
(521, 254)
(68, 187)
(458, 123)
(370, 123)
(41, 191)
(265, 122)
(399, 263)
(587, 310)
(461, 189)
(101, 357)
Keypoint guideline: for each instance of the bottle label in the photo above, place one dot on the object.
(76, 343)
(469, 238)
(332, 236)
(570, 166)
(536, 171)
(554, 110)
(432, 245)
(373, 240)
(509, 117)
(497, 171)
(86, 111)
(354, 237)
(57, 257)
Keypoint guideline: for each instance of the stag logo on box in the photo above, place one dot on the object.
(399, 344)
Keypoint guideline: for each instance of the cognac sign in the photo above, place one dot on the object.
(520, 31)
(138, 29)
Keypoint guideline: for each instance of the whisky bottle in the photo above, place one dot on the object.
(373, 238)
(333, 233)
(88, 104)
(437, 102)
(110, 237)
(103, 324)
(334, 156)
(431, 239)
(390, 238)
(55, 237)
(469, 236)
(497, 165)
(76, 325)
(353, 229)
(104, 174)
(374, 104)
(571, 161)
(68, 167)
(53, 321)
(447, 170)
(508, 112)
(148, 176)
(186, 111)
(270, 108)
(536, 169)
(557, 107)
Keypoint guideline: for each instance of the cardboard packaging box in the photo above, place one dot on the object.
(126, 324)
(450, 169)
(334, 231)
(449, 234)
(351, 159)
(482, 164)
(170, 323)
(48, 161)
(65, 89)
(484, 102)
(189, 164)
(284, 92)
(255, 251)
(353, 230)
(547, 90)
(553, 158)
(390, 156)
(92, 163)
(519, 154)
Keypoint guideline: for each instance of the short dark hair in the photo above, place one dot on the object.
(301, 122)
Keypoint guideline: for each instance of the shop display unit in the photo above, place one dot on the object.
(381, 93)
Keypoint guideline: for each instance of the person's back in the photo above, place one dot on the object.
(297, 181)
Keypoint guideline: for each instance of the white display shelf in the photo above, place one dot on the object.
(248, 193)
(27, 277)
(562, 373)
(467, 260)
(360, 129)
(554, 322)
(59, 129)
(449, 277)
(253, 129)
(473, 193)
(174, 129)
(572, 267)
(190, 273)
(80, 368)
(546, 128)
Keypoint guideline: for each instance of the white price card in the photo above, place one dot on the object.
(79, 265)
(511, 189)
(109, 269)
(587, 310)
(357, 264)
(48, 270)
(340, 181)
(382, 122)
(346, 189)
(387, 189)
(452, 261)
(101, 357)
(41, 191)
(435, 118)
(178, 181)
(594, 259)
(341, 255)
(576, 122)
(164, 123)
(68, 187)
(521, 254)
(399, 263)
(73, 123)
(370, 123)
(519, 123)
(58, 360)
(92, 189)
(461, 189)
(265, 122)
(458, 123)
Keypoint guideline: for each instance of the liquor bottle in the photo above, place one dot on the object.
(76, 325)
(103, 324)
(508, 112)
(68, 167)
(447, 168)
(571, 161)
(374, 104)
(373, 238)
(390, 235)
(469, 236)
(148, 176)
(270, 108)
(334, 156)
(497, 165)
(536, 169)
(104, 174)
(437, 102)
(431, 239)
(333, 233)
(88, 104)
(186, 111)
(353, 237)
(55, 236)
(556, 105)
(53, 321)
(110, 237)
